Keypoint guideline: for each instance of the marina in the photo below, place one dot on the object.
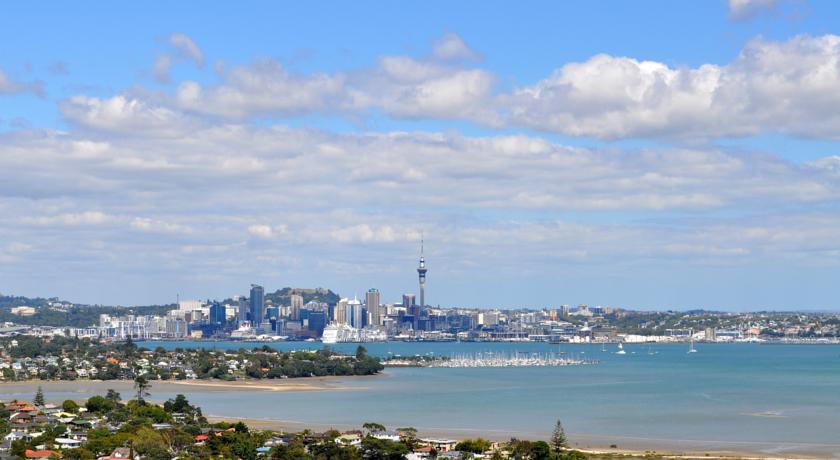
(491, 359)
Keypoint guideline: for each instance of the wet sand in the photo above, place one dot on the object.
(127, 386)
(625, 446)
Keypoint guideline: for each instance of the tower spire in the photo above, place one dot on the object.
(421, 272)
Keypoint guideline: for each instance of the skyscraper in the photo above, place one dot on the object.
(408, 301)
(421, 271)
(340, 312)
(218, 314)
(355, 314)
(373, 306)
(257, 305)
(295, 304)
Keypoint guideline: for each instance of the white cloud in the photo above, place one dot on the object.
(163, 64)
(187, 48)
(261, 231)
(265, 88)
(8, 85)
(451, 47)
(790, 87)
(146, 224)
(123, 113)
(740, 10)
(83, 218)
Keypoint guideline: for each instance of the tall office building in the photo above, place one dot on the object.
(408, 301)
(257, 305)
(295, 304)
(242, 312)
(218, 313)
(421, 272)
(355, 314)
(373, 306)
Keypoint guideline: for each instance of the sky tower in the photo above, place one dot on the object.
(421, 271)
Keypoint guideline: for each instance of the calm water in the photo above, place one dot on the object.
(769, 398)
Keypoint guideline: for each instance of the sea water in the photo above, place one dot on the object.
(781, 399)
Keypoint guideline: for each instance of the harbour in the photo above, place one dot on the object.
(779, 400)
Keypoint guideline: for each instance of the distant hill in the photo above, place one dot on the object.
(58, 313)
(282, 296)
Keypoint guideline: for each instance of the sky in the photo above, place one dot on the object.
(649, 155)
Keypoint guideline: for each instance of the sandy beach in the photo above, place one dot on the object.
(600, 444)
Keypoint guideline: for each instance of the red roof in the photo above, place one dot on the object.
(41, 453)
(201, 437)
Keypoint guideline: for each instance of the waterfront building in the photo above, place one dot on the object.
(257, 305)
(372, 303)
(218, 313)
(314, 320)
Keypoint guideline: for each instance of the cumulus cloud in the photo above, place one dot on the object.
(451, 47)
(187, 48)
(264, 88)
(787, 87)
(740, 10)
(790, 87)
(123, 113)
(202, 201)
(8, 85)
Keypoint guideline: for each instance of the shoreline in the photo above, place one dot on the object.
(323, 383)
(591, 444)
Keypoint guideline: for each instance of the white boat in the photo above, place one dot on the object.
(621, 350)
(337, 333)
(343, 333)
(691, 348)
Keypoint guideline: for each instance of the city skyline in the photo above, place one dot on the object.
(666, 156)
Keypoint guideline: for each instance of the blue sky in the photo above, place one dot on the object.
(642, 154)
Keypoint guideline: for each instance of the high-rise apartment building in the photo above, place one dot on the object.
(340, 311)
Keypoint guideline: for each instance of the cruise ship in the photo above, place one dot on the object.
(343, 333)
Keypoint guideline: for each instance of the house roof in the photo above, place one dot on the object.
(41, 453)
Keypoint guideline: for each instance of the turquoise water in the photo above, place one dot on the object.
(782, 399)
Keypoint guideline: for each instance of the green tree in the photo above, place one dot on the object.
(70, 406)
(142, 387)
(147, 440)
(475, 446)
(558, 437)
(373, 427)
(39, 398)
(113, 395)
(98, 404)
(383, 449)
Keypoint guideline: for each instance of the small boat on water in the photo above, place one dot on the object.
(691, 348)
(621, 350)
